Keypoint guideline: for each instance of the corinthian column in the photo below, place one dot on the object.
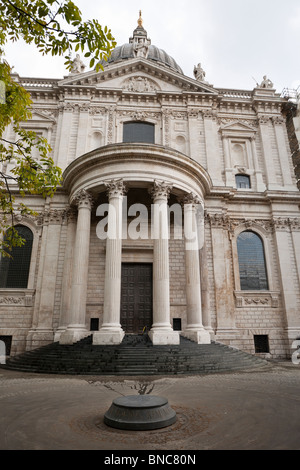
(194, 330)
(161, 332)
(77, 328)
(111, 331)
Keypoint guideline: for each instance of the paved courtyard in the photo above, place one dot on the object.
(249, 410)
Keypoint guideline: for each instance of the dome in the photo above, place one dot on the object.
(140, 46)
(126, 51)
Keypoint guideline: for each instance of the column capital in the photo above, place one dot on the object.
(115, 188)
(82, 199)
(191, 199)
(161, 190)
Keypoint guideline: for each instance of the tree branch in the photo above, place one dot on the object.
(44, 25)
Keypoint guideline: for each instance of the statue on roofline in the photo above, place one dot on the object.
(77, 65)
(266, 83)
(199, 73)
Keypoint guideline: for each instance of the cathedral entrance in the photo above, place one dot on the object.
(136, 297)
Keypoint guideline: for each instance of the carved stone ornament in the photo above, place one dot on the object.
(256, 299)
(161, 190)
(281, 223)
(82, 199)
(140, 85)
(53, 217)
(17, 298)
(191, 199)
(116, 188)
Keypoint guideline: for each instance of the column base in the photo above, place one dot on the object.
(106, 337)
(164, 337)
(198, 336)
(38, 338)
(73, 334)
(58, 333)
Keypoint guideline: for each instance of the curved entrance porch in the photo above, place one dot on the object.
(162, 173)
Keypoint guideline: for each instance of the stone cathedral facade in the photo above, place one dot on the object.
(141, 134)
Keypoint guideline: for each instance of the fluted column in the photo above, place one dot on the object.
(194, 330)
(77, 328)
(111, 331)
(161, 332)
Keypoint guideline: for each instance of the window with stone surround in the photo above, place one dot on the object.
(139, 132)
(243, 182)
(252, 263)
(14, 270)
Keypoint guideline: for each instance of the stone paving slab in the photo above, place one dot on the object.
(236, 411)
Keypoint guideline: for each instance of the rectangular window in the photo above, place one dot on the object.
(261, 343)
(94, 324)
(177, 324)
(243, 182)
(139, 132)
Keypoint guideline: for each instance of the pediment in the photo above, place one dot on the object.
(237, 127)
(118, 76)
(45, 116)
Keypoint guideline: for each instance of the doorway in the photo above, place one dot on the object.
(136, 297)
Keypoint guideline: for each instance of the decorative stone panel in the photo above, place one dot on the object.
(256, 299)
(17, 297)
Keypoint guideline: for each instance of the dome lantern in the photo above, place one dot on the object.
(140, 46)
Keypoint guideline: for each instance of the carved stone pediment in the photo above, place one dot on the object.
(140, 84)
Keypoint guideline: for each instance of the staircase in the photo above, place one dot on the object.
(136, 356)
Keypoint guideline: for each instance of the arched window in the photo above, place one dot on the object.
(142, 132)
(252, 264)
(14, 271)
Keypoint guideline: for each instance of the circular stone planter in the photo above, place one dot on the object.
(140, 413)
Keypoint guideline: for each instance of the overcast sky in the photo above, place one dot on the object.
(236, 41)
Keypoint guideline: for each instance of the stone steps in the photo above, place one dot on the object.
(135, 356)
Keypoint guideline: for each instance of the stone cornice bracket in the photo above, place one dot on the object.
(161, 190)
(82, 199)
(116, 188)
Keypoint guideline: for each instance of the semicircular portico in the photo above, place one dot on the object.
(137, 165)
